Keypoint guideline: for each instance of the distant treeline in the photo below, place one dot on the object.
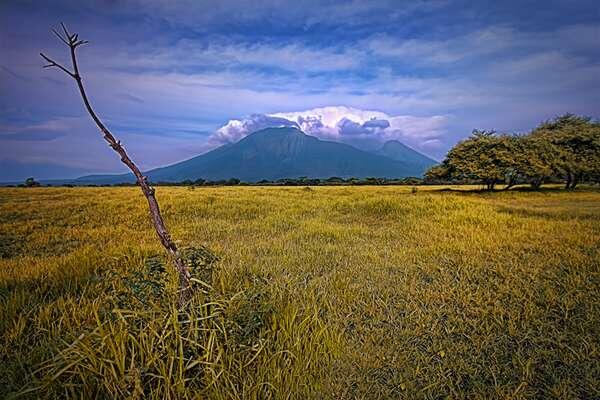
(565, 149)
(302, 181)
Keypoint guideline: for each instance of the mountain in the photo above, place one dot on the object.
(399, 151)
(275, 153)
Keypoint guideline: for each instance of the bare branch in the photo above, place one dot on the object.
(52, 63)
(185, 288)
(58, 35)
(80, 42)
(64, 28)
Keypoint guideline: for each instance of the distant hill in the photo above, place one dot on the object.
(287, 152)
(399, 151)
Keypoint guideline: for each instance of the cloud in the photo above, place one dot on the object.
(290, 57)
(224, 54)
(340, 123)
(237, 129)
(37, 132)
(481, 47)
(130, 97)
(300, 15)
(479, 44)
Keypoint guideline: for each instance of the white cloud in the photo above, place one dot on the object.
(236, 129)
(340, 123)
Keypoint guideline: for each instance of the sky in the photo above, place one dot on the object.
(174, 79)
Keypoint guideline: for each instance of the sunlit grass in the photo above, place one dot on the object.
(332, 292)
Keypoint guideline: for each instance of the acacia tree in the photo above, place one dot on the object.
(576, 146)
(484, 157)
(505, 149)
(439, 173)
(72, 41)
(534, 158)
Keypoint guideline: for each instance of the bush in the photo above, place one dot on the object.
(30, 182)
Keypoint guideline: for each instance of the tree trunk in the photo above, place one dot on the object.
(569, 179)
(576, 179)
(185, 291)
(155, 215)
(536, 183)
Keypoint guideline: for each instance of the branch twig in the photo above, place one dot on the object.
(52, 63)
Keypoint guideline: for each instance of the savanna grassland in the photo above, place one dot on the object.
(321, 292)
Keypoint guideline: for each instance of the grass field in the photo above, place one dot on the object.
(322, 292)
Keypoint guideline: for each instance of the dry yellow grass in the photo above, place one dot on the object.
(327, 292)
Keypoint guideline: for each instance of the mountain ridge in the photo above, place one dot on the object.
(285, 152)
(397, 150)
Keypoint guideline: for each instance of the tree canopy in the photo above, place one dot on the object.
(567, 148)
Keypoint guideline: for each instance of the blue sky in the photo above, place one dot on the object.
(167, 75)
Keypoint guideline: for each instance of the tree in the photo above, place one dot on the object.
(505, 151)
(568, 146)
(533, 159)
(30, 182)
(73, 42)
(484, 157)
(575, 143)
(438, 173)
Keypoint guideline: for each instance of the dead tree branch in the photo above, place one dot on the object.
(73, 42)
